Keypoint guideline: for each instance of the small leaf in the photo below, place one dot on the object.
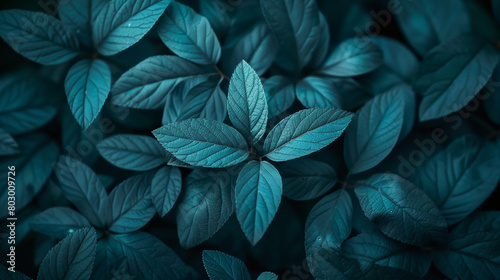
(221, 266)
(202, 142)
(189, 35)
(87, 86)
(305, 132)
(72, 258)
(385, 199)
(317, 92)
(165, 189)
(38, 36)
(8, 145)
(267, 276)
(58, 222)
(132, 152)
(121, 23)
(280, 95)
(374, 131)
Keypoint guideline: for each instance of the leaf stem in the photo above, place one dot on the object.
(220, 73)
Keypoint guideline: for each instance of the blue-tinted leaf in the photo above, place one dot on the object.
(375, 248)
(146, 85)
(6, 274)
(79, 15)
(258, 195)
(38, 36)
(129, 205)
(352, 58)
(82, 187)
(480, 221)
(351, 94)
(121, 23)
(305, 132)
(317, 92)
(202, 142)
(460, 178)
(33, 168)
(267, 276)
(492, 100)
(204, 207)
(174, 101)
(218, 16)
(72, 258)
(374, 131)
(397, 57)
(385, 200)
(246, 103)
(8, 145)
(87, 86)
(305, 178)
(428, 23)
(323, 45)
(58, 222)
(350, 19)
(410, 110)
(23, 107)
(165, 188)
(452, 74)
(280, 95)
(132, 152)
(221, 266)
(189, 35)
(295, 24)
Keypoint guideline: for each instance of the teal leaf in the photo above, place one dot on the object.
(317, 92)
(221, 266)
(121, 23)
(246, 103)
(480, 221)
(165, 189)
(217, 15)
(79, 16)
(8, 146)
(189, 35)
(323, 45)
(267, 276)
(452, 74)
(280, 95)
(202, 142)
(305, 132)
(385, 201)
(258, 195)
(132, 152)
(72, 258)
(87, 86)
(204, 207)
(58, 222)
(38, 36)
(374, 131)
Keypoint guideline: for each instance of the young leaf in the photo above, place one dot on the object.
(129, 205)
(165, 189)
(221, 266)
(305, 132)
(258, 195)
(460, 178)
(58, 222)
(87, 86)
(121, 23)
(452, 74)
(146, 85)
(374, 131)
(204, 207)
(38, 36)
(353, 58)
(246, 103)
(317, 92)
(280, 95)
(202, 142)
(189, 35)
(82, 187)
(72, 258)
(8, 145)
(267, 276)
(132, 152)
(305, 178)
(416, 221)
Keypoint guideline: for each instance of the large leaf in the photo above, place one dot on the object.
(204, 207)
(38, 36)
(165, 188)
(72, 258)
(305, 132)
(374, 131)
(452, 74)
(58, 222)
(129, 205)
(280, 95)
(8, 145)
(121, 23)
(87, 86)
(317, 92)
(221, 266)
(258, 195)
(83, 188)
(202, 142)
(189, 35)
(246, 103)
(384, 199)
(132, 152)
(146, 85)
(460, 178)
